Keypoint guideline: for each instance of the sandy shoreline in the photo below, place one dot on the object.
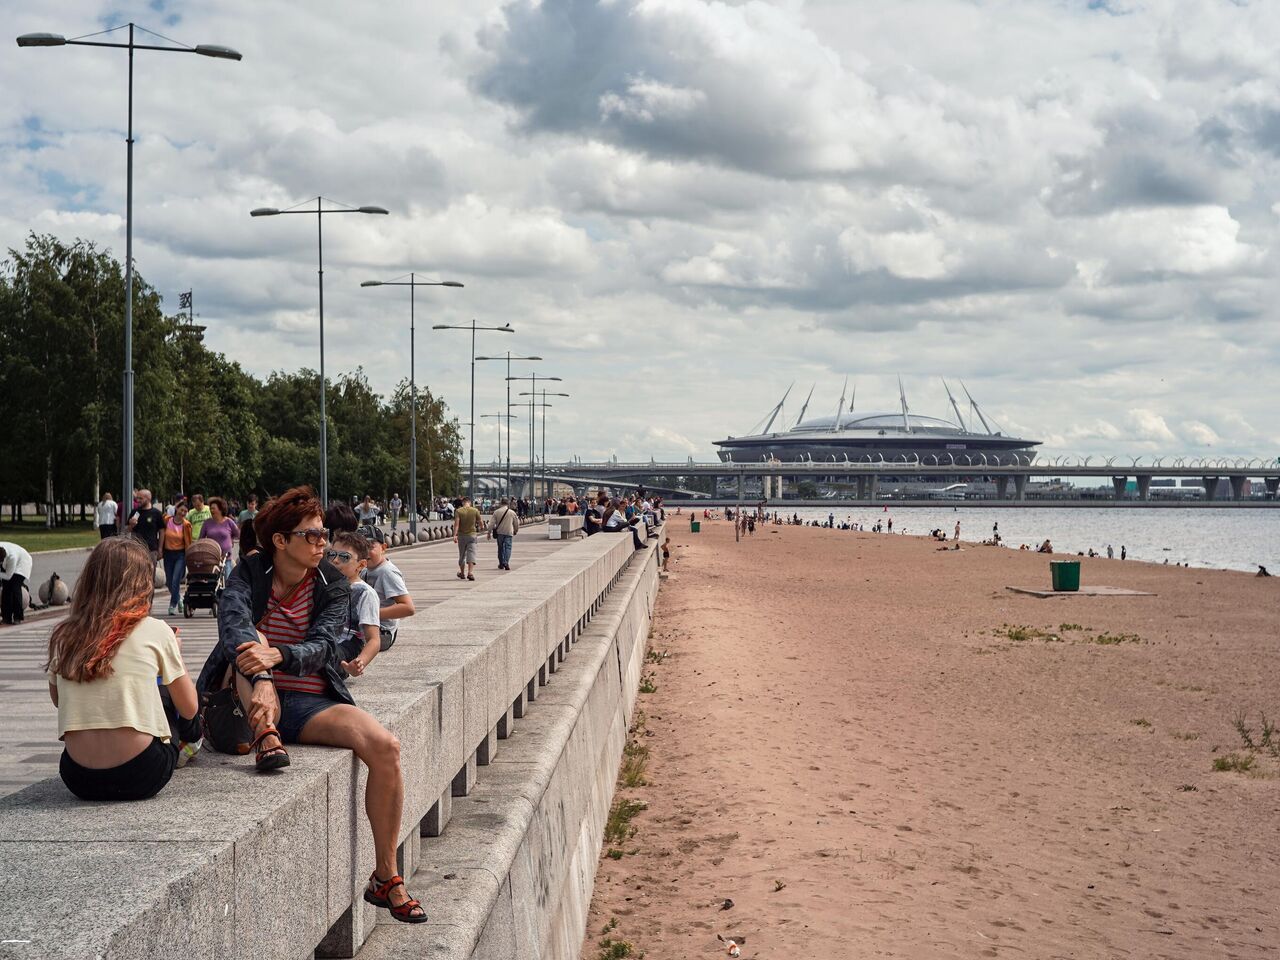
(845, 744)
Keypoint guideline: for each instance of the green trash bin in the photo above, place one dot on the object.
(695, 526)
(1066, 575)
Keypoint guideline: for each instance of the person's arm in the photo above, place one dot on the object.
(235, 613)
(400, 607)
(183, 691)
(133, 520)
(372, 644)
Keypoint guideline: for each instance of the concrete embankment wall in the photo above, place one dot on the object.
(511, 703)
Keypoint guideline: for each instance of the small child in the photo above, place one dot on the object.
(350, 555)
(387, 580)
(666, 553)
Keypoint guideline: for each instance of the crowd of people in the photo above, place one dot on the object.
(308, 601)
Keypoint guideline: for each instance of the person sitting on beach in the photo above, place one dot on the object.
(280, 620)
(1262, 571)
(104, 658)
(1045, 547)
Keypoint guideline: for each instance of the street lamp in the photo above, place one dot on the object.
(544, 406)
(505, 328)
(412, 283)
(500, 416)
(533, 378)
(508, 357)
(319, 211)
(204, 50)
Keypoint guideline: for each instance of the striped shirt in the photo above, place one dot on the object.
(287, 624)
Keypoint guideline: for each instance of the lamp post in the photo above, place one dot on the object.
(500, 416)
(508, 357)
(412, 283)
(544, 394)
(204, 50)
(533, 378)
(320, 212)
(505, 328)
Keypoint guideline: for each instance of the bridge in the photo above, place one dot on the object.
(1009, 476)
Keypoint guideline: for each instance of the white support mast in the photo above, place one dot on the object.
(840, 406)
(776, 410)
(955, 406)
(973, 404)
(800, 419)
(902, 395)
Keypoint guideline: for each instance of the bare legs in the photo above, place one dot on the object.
(350, 727)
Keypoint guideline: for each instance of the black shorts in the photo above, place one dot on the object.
(296, 708)
(138, 779)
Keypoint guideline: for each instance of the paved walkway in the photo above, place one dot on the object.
(29, 748)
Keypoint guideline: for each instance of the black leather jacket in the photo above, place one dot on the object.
(244, 602)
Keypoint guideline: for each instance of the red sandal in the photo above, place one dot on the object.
(377, 894)
(269, 758)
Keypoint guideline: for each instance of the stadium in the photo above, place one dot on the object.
(873, 436)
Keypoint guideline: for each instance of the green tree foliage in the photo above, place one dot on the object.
(200, 420)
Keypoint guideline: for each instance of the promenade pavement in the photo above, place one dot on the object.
(29, 746)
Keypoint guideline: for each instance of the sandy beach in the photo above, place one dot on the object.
(874, 749)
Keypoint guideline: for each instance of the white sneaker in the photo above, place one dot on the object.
(173, 610)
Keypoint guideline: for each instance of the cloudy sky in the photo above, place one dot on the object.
(686, 205)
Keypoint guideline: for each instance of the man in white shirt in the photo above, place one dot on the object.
(15, 570)
(395, 505)
(104, 516)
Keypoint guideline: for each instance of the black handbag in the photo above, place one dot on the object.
(226, 728)
(222, 716)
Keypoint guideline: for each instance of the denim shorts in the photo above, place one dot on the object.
(296, 708)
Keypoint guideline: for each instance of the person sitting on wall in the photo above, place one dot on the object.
(281, 618)
(104, 658)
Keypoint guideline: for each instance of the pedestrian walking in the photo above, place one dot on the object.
(467, 524)
(1111, 554)
(396, 504)
(503, 528)
(177, 537)
(957, 536)
(146, 522)
(221, 529)
(250, 509)
(104, 516)
(367, 512)
(15, 570)
(198, 513)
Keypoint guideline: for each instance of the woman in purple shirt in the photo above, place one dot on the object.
(221, 529)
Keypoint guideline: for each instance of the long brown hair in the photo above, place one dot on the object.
(113, 595)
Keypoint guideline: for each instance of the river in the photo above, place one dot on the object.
(1229, 539)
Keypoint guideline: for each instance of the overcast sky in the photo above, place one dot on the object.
(685, 205)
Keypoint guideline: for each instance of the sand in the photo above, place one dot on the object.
(842, 745)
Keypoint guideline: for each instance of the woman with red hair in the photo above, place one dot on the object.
(103, 663)
(280, 620)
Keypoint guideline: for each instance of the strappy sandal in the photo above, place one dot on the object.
(377, 892)
(269, 758)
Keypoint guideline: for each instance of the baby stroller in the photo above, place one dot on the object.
(204, 577)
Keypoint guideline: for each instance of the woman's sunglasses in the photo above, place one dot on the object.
(314, 536)
(341, 556)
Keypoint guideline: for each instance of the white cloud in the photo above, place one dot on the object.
(685, 204)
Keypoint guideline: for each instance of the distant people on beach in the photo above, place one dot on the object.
(1124, 554)
(1262, 571)
(1045, 547)
(1111, 554)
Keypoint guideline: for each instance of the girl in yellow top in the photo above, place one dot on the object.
(174, 542)
(103, 663)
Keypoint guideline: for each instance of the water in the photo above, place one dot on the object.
(1227, 539)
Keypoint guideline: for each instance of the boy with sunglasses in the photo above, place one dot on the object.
(350, 555)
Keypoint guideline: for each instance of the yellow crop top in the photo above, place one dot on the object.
(129, 697)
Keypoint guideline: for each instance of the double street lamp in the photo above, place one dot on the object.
(508, 357)
(203, 50)
(533, 378)
(544, 393)
(319, 211)
(412, 283)
(505, 328)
